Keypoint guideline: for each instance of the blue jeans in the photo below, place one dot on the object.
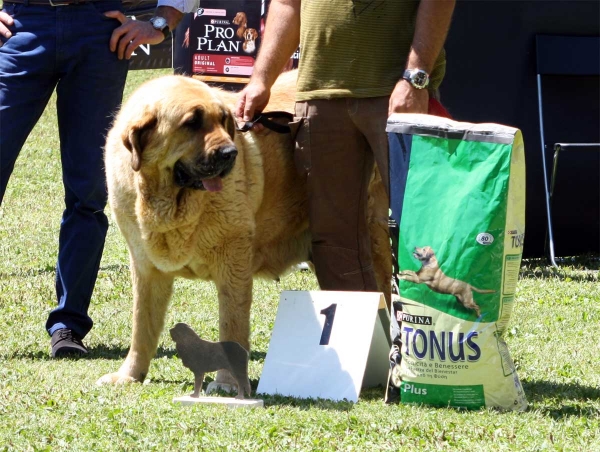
(67, 48)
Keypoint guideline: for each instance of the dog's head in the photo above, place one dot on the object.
(240, 19)
(179, 128)
(182, 332)
(250, 34)
(424, 254)
(179, 331)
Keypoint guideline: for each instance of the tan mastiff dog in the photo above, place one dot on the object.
(196, 199)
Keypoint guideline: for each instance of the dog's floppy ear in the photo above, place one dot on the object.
(135, 137)
(230, 124)
(428, 252)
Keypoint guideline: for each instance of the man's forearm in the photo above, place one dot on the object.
(280, 41)
(172, 15)
(431, 28)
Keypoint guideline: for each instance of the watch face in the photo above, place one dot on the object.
(420, 79)
(159, 22)
(417, 78)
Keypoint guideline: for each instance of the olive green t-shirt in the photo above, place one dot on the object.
(356, 48)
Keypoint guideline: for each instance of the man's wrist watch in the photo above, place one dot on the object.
(417, 78)
(160, 24)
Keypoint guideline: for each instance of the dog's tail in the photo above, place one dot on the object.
(482, 290)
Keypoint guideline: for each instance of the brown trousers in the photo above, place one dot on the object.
(336, 147)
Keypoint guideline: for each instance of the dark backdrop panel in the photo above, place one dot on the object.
(491, 77)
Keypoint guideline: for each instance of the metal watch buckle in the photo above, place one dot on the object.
(58, 3)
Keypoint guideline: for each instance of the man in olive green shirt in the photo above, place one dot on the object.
(360, 61)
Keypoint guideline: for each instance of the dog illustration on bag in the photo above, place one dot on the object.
(250, 36)
(241, 21)
(433, 277)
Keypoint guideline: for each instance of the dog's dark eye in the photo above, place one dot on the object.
(224, 117)
(193, 120)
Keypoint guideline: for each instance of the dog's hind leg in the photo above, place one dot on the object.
(243, 388)
(241, 377)
(198, 380)
(469, 303)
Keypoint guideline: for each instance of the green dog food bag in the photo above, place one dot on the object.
(457, 223)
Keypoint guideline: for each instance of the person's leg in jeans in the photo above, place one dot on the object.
(88, 94)
(338, 162)
(26, 82)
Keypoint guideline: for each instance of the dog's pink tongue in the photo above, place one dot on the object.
(214, 184)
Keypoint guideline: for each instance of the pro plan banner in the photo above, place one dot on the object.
(224, 37)
(219, 42)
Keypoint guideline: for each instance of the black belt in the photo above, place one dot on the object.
(263, 118)
(52, 2)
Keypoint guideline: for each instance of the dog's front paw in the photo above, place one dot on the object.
(115, 379)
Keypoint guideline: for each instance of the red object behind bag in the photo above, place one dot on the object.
(437, 109)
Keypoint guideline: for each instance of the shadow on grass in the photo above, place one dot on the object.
(35, 356)
(52, 269)
(372, 394)
(98, 352)
(107, 352)
(117, 352)
(257, 356)
(366, 395)
(28, 273)
(577, 268)
(305, 404)
(561, 400)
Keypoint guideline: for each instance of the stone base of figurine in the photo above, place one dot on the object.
(230, 402)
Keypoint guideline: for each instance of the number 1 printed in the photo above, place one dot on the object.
(329, 313)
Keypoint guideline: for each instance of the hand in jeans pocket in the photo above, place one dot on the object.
(6, 22)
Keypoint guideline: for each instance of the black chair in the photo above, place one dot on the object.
(571, 56)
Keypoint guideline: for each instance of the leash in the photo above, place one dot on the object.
(263, 118)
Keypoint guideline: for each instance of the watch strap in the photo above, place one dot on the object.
(165, 30)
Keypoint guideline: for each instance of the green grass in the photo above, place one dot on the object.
(55, 405)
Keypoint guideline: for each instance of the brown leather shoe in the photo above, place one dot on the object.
(66, 343)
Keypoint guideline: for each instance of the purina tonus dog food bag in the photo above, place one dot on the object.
(457, 223)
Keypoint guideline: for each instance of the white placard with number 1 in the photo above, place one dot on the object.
(327, 345)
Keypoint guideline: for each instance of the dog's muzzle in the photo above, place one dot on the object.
(206, 174)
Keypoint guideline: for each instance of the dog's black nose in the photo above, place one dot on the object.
(227, 153)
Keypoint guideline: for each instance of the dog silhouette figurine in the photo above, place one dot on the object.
(433, 277)
(202, 356)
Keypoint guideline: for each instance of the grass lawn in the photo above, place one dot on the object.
(54, 405)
